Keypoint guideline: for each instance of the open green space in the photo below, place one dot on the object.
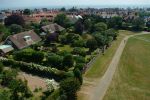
(102, 62)
(131, 80)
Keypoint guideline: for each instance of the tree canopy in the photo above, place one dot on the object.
(14, 19)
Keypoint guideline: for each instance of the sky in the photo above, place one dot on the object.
(44, 3)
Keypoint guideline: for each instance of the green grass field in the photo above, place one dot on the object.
(132, 77)
(102, 62)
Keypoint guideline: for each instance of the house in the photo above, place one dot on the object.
(74, 18)
(51, 32)
(4, 49)
(22, 40)
(52, 28)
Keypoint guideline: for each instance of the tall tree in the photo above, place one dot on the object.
(14, 19)
(27, 12)
(115, 22)
(138, 24)
(62, 20)
(68, 60)
(79, 27)
(91, 44)
(69, 87)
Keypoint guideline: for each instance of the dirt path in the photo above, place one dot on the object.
(33, 81)
(97, 92)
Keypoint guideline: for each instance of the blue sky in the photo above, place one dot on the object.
(42, 3)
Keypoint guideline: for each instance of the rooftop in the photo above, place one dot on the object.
(5, 46)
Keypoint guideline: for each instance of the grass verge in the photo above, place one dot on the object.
(131, 80)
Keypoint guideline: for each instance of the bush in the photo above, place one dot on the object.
(29, 55)
(80, 66)
(55, 60)
(79, 43)
(79, 51)
(79, 59)
(68, 61)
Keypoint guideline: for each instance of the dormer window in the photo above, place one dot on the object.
(27, 38)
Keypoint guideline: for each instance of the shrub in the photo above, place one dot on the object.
(55, 60)
(79, 43)
(79, 59)
(79, 51)
(70, 86)
(80, 66)
(68, 61)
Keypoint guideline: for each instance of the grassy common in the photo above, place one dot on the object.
(102, 62)
(131, 80)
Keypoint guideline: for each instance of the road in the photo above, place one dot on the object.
(99, 90)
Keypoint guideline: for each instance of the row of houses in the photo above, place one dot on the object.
(25, 39)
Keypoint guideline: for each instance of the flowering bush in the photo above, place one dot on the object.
(52, 84)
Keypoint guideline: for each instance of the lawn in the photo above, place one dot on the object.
(65, 48)
(102, 62)
(131, 80)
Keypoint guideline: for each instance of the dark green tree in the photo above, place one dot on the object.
(68, 61)
(69, 87)
(27, 12)
(14, 28)
(14, 19)
(55, 61)
(62, 20)
(79, 27)
(99, 27)
(91, 44)
(115, 22)
(138, 24)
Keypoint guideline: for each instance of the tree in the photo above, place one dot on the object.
(14, 19)
(63, 9)
(68, 60)
(79, 27)
(4, 32)
(101, 41)
(148, 24)
(5, 94)
(91, 44)
(112, 32)
(99, 27)
(1, 67)
(19, 89)
(78, 75)
(69, 87)
(115, 22)
(138, 24)
(62, 20)
(79, 59)
(14, 28)
(71, 37)
(27, 12)
(87, 24)
(8, 75)
(44, 22)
